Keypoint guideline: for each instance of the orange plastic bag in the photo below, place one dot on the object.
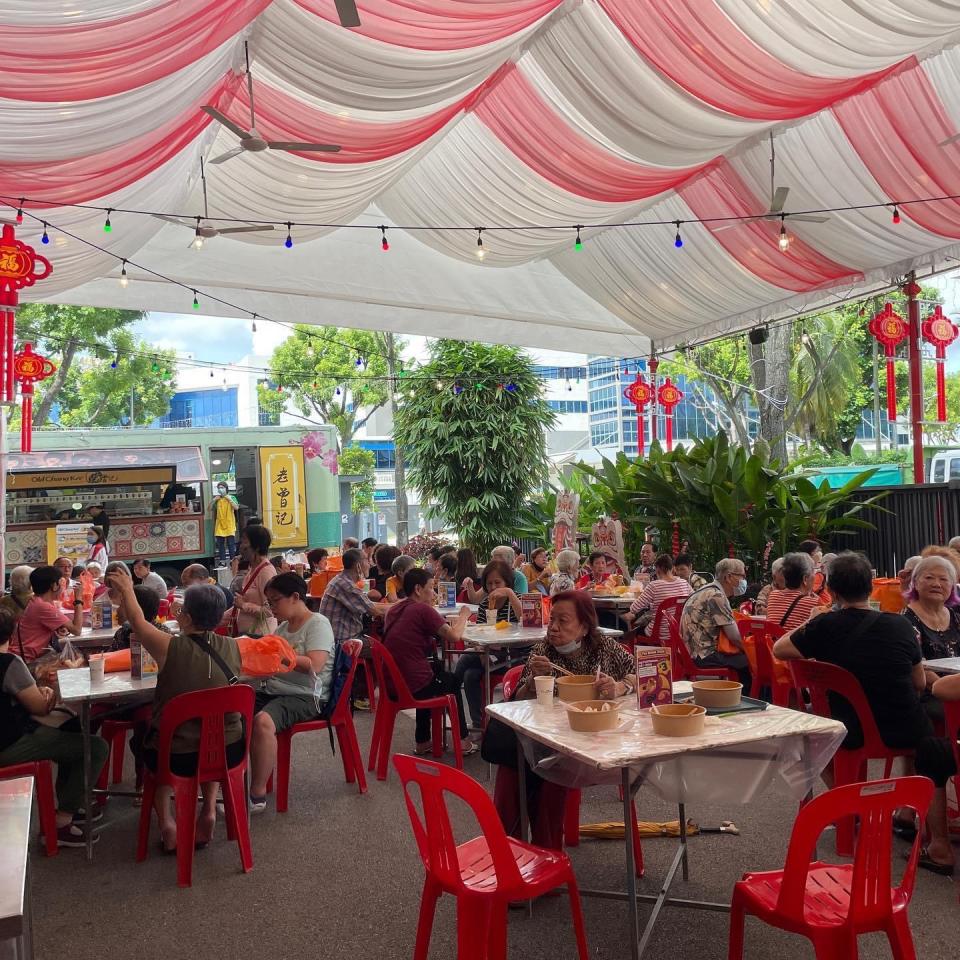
(116, 661)
(263, 656)
(888, 592)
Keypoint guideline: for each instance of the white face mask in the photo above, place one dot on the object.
(741, 587)
(569, 648)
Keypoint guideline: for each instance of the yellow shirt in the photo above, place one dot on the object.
(225, 524)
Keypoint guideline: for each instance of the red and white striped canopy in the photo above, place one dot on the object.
(491, 112)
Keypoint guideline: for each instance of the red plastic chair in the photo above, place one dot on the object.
(849, 766)
(683, 666)
(951, 723)
(42, 774)
(209, 707)
(395, 696)
(831, 904)
(342, 722)
(486, 873)
(115, 733)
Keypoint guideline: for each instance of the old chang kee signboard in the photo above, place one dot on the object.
(58, 479)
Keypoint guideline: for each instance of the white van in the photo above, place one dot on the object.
(945, 466)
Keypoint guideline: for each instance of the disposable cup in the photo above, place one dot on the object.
(544, 687)
(96, 669)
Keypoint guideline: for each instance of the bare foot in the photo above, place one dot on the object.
(206, 823)
(168, 837)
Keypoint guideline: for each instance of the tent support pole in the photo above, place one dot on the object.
(916, 384)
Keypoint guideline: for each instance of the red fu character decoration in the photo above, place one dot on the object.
(639, 393)
(941, 332)
(28, 369)
(20, 266)
(889, 329)
(668, 397)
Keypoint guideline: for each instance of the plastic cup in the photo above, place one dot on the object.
(96, 669)
(544, 686)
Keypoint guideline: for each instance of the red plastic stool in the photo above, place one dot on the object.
(42, 773)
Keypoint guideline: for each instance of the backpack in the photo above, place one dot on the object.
(342, 662)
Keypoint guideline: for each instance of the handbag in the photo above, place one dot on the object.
(499, 744)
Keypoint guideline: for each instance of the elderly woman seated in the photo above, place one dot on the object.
(398, 568)
(568, 571)
(792, 605)
(574, 643)
(186, 665)
(776, 583)
(20, 591)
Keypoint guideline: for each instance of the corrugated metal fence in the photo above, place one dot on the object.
(915, 517)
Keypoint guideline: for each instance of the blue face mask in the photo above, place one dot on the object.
(741, 587)
(91, 539)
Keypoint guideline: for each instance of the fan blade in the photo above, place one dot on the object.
(347, 12)
(228, 155)
(735, 223)
(250, 229)
(304, 147)
(226, 121)
(810, 219)
(779, 199)
(176, 220)
(949, 140)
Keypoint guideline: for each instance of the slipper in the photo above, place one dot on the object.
(201, 845)
(423, 752)
(167, 852)
(469, 751)
(925, 862)
(904, 830)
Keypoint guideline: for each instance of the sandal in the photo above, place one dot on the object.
(904, 829)
(469, 751)
(926, 862)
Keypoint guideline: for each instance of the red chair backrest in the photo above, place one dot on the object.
(673, 608)
(822, 679)
(433, 831)
(341, 711)
(874, 803)
(210, 708)
(951, 726)
(510, 680)
(389, 677)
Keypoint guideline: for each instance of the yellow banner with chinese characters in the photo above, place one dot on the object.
(284, 496)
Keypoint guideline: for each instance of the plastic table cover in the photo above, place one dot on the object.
(734, 760)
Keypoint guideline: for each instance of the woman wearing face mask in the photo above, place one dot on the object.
(575, 643)
(99, 551)
(224, 508)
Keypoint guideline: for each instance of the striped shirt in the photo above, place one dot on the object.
(654, 594)
(779, 602)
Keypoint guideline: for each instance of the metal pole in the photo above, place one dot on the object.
(131, 406)
(911, 289)
(877, 438)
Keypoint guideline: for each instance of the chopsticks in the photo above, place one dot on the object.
(566, 673)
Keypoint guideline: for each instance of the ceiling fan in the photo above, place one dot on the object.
(949, 140)
(201, 226)
(347, 12)
(250, 140)
(778, 199)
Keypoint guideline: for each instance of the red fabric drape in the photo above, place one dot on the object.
(895, 129)
(697, 46)
(100, 59)
(81, 179)
(722, 193)
(532, 129)
(438, 24)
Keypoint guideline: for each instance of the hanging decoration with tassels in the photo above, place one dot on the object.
(639, 393)
(20, 266)
(29, 368)
(889, 329)
(668, 396)
(941, 332)
(675, 541)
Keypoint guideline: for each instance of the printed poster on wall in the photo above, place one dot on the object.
(68, 540)
(283, 495)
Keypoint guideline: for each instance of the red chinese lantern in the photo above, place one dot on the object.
(668, 396)
(20, 266)
(28, 369)
(639, 393)
(889, 329)
(941, 332)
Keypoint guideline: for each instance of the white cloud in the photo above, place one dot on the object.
(223, 339)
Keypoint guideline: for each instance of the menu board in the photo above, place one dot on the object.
(654, 677)
(68, 540)
(531, 609)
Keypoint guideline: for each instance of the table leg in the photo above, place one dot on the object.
(683, 841)
(524, 813)
(631, 871)
(87, 777)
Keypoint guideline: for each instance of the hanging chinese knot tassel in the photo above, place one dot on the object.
(889, 329)
(639, 393)
(29, 368)
(668, 397)
(941, 332)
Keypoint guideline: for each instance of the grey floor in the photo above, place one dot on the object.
(338, 876)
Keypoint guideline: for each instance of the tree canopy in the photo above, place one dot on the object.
(103, 368)
(472, 424)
